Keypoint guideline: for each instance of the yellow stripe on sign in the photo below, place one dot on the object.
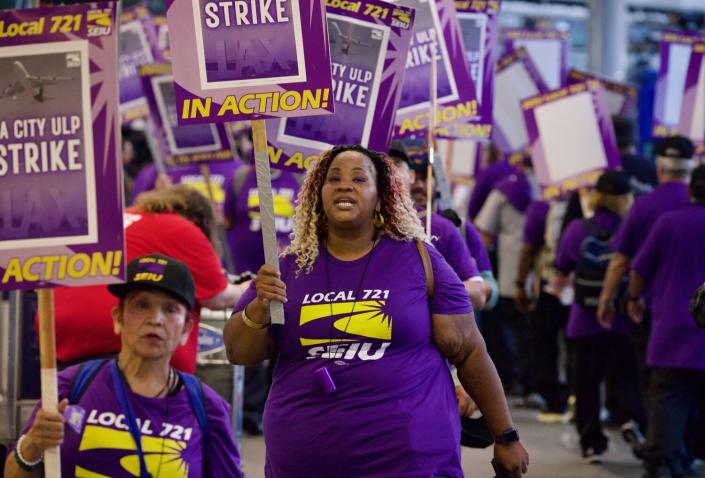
(282, 205)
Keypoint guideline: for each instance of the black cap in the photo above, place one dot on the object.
(613, 182)
(158, 272)
(676, 147)
(397, 151)
(697, 182)
(623, 131)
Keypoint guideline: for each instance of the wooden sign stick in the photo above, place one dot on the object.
(47, 360)
(266, 209)
(431, 139)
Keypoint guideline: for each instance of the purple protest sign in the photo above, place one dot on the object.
(621, 97)
(572, 137)
(369, 49)
(549, 49)
(676, 50)
(61, 197)
(458, 113)
(692, 120)
(516, 78)
(138, 42)
(179, 145)
(239, 59)
(480, 28)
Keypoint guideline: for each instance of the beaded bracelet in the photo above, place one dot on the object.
(22, 462)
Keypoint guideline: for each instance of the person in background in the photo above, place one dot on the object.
(597, 349)
(642, 172)
(178, 222)
(444, 234)
(501, 220)
(135, 415)
(135, 156)
(547, 313)
(494, 170)
(674, 162)
(670, 264)
(374, 314)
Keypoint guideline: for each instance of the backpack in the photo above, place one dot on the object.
(595, 254)
(87, 371)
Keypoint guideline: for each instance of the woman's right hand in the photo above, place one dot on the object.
(269, 287)
(47, 432)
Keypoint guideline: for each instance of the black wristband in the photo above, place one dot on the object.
(507, 437)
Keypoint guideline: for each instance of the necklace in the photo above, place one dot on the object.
(168, 386)
(322, 374)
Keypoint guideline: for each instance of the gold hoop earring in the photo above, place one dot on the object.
(378, 219)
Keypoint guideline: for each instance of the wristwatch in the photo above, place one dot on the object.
(507, 437)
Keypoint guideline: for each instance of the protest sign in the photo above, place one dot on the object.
(179, 145)
(61, 201)
(58, 147)
(692, 120)
(240, 59)
(461, 158)
(516, 78)
(549, 49)
(676, 51)
(572, 137)
(138, 46)
(480, 28)
(368, 55)
(437, 34)
(621, 97)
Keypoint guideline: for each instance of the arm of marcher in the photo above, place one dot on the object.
(477, 292)
(247, 341)
(459, 340)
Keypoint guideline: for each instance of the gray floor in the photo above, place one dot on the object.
(553, 452)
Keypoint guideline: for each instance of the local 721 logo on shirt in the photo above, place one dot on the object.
(365, 325)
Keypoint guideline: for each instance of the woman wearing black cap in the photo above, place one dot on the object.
(136, 415)
(585, 250)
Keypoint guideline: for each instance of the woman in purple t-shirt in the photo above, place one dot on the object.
(361, 386)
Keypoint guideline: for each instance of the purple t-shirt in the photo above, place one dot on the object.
(485, 183)
(171, 437)
(517, 189)
(643, 215)
(394, 413)
(583, 322)
(535, 225)
(221, 174)
(245, 234)
(449, 243)
(672, 263)
(477, 247)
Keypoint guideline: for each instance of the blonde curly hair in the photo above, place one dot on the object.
(400, 219)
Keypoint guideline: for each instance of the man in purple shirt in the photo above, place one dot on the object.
(444, 234)
(670, 265)
(597, 349)
(674, 163)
